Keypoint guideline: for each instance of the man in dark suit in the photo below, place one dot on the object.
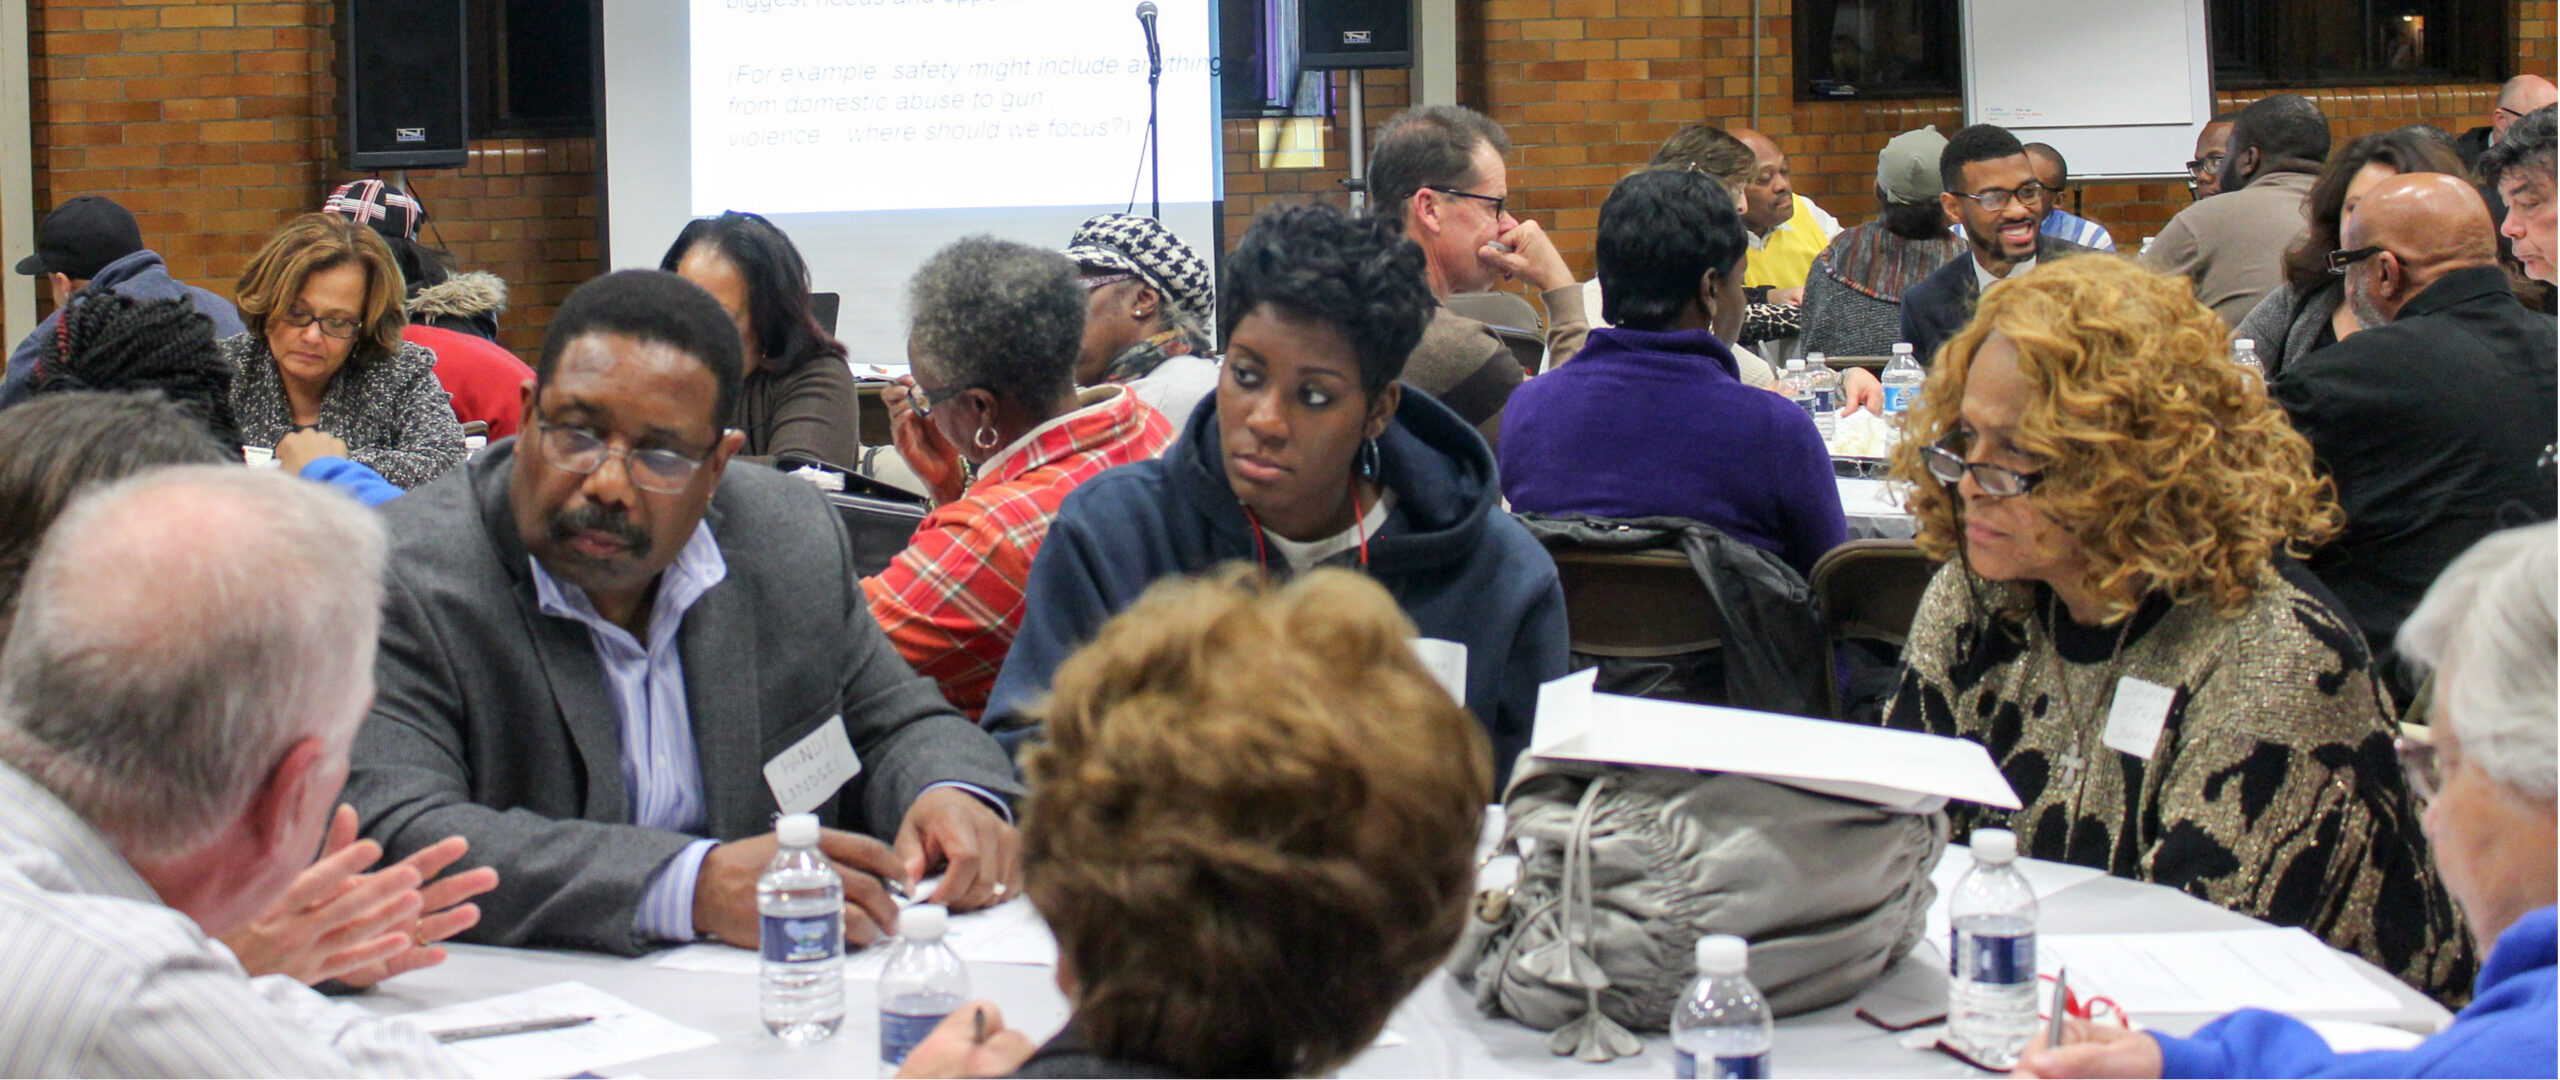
(1991, 190)
(609, 659)
(2433, 421)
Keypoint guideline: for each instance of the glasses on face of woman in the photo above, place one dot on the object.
(581, 451)
(298, 317)
(1945, 460)
(924, 401)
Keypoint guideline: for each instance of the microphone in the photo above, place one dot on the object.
(1147, 20)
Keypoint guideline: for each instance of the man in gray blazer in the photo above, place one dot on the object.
(608, 660)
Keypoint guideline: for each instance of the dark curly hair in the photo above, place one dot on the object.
(1358, 273)
(1004, 317)
(112, 343)
(1979, 142)
(2528, 144)
(786, 325)
(651, 305)
(1660, 233)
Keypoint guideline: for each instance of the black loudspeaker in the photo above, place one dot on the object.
(405, 104)
(1355, 33)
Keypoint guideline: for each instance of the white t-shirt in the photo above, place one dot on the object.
(1302, 556)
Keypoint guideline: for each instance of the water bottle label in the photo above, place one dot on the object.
(1900, 398)
(797, 940)
(1996, 960)
(900, 1032)
(1826, 400)
(1684, 1065)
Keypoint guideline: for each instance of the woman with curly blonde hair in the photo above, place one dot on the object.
(2122, 622)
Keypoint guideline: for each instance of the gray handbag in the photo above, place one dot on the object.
(1628, 866)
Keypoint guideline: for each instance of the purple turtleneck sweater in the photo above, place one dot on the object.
(1657, 424)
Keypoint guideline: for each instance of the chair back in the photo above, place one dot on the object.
(1509, 310)
(1636, 603)
(1870, 590)
(1527, 348)
(825, 305)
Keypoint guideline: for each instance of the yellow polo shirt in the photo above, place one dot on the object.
(1783, 260)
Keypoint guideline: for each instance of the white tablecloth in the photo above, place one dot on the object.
(1443, 1034)
(1873, 510)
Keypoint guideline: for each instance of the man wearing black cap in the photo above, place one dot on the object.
(92, 243)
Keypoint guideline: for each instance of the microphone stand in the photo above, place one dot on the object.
(1155, 146)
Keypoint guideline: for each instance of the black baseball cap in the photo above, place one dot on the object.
(80, 237)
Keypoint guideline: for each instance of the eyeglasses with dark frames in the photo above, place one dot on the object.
(2339, 261)
(2207, 165)
(582, 451)
(1995, 200)
(298, 317)
(924, 401)
(1946, 462)
(1496, 200)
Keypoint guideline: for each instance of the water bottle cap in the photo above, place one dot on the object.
(797, 830)
(1995, 846)
(1795, 363)
(1813, 358)
(1903, 347)
(1723, 954)
(2245, 343)
(924, 922)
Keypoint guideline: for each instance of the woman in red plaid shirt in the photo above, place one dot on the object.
(992, 422)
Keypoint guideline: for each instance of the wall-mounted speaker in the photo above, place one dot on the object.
(1355, 33)
(404, 102)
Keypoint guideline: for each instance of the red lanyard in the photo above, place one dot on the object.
(1359, 523)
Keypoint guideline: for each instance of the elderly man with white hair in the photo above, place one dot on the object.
(173, 734)
(2487, 628)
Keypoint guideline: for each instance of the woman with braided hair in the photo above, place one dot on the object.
(119, 344)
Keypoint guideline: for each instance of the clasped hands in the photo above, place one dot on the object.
(979, 854)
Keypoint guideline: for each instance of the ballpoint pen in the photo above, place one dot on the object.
(512, 1027)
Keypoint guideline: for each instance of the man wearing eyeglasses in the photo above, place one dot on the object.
(2213, 147)
(2519, 96)
(1439, 168)
(2231, 247)
(2432, 420)
(1993, 195)
(609, 657)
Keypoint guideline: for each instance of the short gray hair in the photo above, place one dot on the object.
(2488, 629)
(1429, 146)
(1002, 316)
(177, 633)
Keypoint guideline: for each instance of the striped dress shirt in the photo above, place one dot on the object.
(2077, 229)
(98, 978)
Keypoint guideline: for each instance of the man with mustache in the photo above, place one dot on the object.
(609, 658)
(2233, 248)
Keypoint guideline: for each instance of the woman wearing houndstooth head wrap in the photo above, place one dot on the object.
(1148, 300)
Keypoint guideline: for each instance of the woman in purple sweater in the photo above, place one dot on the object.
(1650, 419)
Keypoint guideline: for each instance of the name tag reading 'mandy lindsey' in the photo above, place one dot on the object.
(813, 768)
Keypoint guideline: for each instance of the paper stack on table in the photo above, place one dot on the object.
(1008, 933)
(621, 1032)
(2213, 972)
(2044, 878)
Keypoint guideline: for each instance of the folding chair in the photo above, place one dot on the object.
(1869, 590)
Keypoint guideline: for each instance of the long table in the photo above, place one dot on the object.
(1438, 1031)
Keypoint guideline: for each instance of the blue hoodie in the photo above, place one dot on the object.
(140, 275)
(1460, 567)
(2507, 1030)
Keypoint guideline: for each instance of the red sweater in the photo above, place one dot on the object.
(485, 379)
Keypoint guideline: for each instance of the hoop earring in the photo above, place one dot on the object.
(1369, 466)
(985, 439)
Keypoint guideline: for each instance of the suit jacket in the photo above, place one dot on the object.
(1942, 303)
(2432, 427)
(492, 720)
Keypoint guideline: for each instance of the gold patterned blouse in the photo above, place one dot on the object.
(2250, 762)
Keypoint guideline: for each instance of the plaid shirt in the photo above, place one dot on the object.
(952, 601)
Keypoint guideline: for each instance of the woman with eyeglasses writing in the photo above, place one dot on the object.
(322, 373)
(2123, 625)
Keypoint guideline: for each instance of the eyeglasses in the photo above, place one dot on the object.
(1948, 465)
(298, 317)
(2510, 114)
(1496, 200)
(2339, 261)
(1997, 199)
(2418, 761)
(1092, 282)
(924, 401)
(582, 451)
(2205, 167)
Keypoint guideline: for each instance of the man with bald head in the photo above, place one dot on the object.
(2433, 420)
(2519, 96)
(1785, 230)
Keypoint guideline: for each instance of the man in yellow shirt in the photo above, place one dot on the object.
(1786, 230)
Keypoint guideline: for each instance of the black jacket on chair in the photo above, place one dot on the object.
(1943, 302)
(2433, 428)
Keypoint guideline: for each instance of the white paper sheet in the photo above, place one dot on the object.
(2284, 969)
(621, 1032)
(1868, 498)
(2043, 878)
(1008, 933)
(1903, 769)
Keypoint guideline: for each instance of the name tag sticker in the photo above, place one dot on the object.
(1447, 663)
(813, 768)
(2141, 709)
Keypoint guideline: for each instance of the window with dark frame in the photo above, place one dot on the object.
(1869, 49)
(2259, 44)
(532, 68)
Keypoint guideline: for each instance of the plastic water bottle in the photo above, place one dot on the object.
(921, 983)
(2244, 352)
(1991, 1008)
(1797, 384)
(1721, 1027)
(1902, 380)
(801, 904)
(1825, 384)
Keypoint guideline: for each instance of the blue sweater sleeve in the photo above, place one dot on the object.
(358, 481)
(1063, 607)
(2251, 1042)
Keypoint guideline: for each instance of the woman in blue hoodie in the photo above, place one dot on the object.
(1314, 456)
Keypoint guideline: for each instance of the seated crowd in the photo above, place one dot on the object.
(1218, 605)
